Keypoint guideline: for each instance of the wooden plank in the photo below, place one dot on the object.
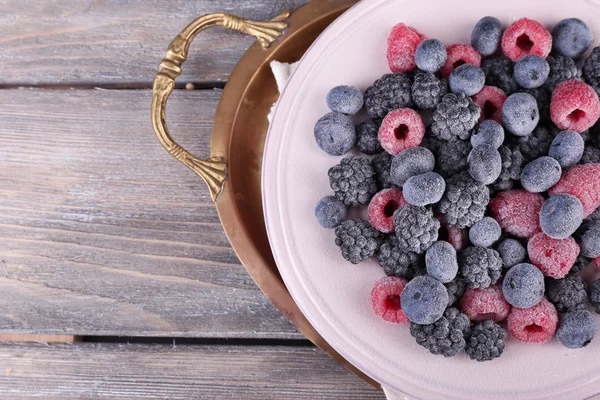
(39, 338)
(103, 233)
(91, 371)
(114, 42)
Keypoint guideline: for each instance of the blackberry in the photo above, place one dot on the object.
(499, 72)
(382, 165)
(591, 70)
(594, 295)
(357, 239)
(542, 97)
(428, 90)
(580, 263)
(454, 117)
(595, 216)
(367, 141)
(480, 266)
(396, 262)
(353, 181)
(450, 156)
(416, 228)
(456, 289)
(591, 155)
(388, 93)
(485, 341)
(567, 294)
(465, 200)
(561, 69)
(535, 145)
(446, 336)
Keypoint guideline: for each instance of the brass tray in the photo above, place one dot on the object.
(233, 170)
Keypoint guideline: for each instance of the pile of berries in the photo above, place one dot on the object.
(481, 175)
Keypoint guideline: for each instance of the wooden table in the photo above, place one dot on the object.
(110, 246)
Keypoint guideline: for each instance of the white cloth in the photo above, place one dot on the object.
(282, 72)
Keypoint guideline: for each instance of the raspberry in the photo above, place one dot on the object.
(485, 341)
(574, 106)
(357, 240)
(583, 182)
(382, 207)
(459, 54)
(465, 200)
(402, 46)
(382, 164)
(454, 117)
(568, 293)
(482, 304)
(517, 212)
(512, 165)
(390, 92)
(401, 129)
(367, 141)
(533, 325)
(385, 299)
(490, 99)
(526, 36)
(499, 73)
(428, 90)
(397, 262)
(554, 257)
(480, 266)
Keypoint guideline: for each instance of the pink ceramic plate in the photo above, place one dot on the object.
(335, 295)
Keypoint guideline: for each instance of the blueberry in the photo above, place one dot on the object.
(589, 239)
(540, 174)
(523, 285)
(571, 37)
(520, 114)
(531, 71)
(345, 99)
(431, 55)
(424, 189)
(561, 215)
(576, 329)
(485, 232)
(441, 262)
(335, 134)
(330, 212)
(467, 79)
(488, 132)
(486, 35)
(567, 148)
(512, 252)
(424, 300)
(411, 162)
(485, 164)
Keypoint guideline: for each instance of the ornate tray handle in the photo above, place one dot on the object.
(214, 169)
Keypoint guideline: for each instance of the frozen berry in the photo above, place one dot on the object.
(454, 117)
(594, 295)
(485, 341)
(424, 300)
(523, 285)
(512, 165)
(465, 200)
(457, 237)
(486, 35)
(397, 262)
(335, 134)
(401, 129)
(446, 336)
(366, 137)
(588, 237)
(330, 212)
(345, 99)
(482, 304)
(428, 90)
(554, 257)
(499, 73)
(480, 266)
(430, 55)
(441, 262)
(424, 189)
(520, 114)
(385, 299)
(357, 240)
(410, 162)
(591, 69)
(382, 207)
(526, 36)
(459, 54)
(485, 232)
(488, 133)
(450, 156)
(540, 174)
(512, 252)
(533, 325)
(402, 46)
(561, 215)
(485, 164)
(416, 228)
(467, 79)
(535, 145)
(568, 293)
(531, 71)
(567, 148)
(576, 329)
(517, 212)
(574, 106)
(353, 181)
(571, 37)
(388, 93)
(583, 182)
(381, 164)
(561, 69)
(490, 99)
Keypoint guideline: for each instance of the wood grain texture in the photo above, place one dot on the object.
(114, 42)
(92, 371)
(103, 233)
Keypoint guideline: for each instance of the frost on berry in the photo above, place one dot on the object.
(517, 212)
(583, 182)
